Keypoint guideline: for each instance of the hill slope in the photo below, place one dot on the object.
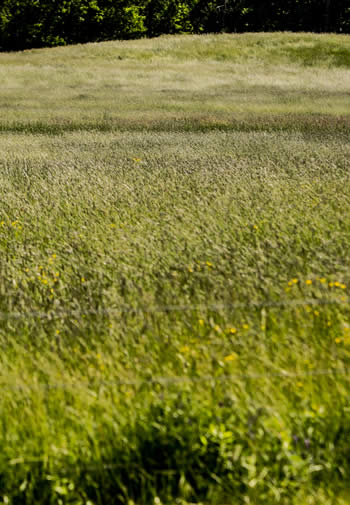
(175, 271)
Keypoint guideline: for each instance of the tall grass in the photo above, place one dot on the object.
(174, 289)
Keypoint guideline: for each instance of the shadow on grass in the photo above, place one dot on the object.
(177, 451)
(320, 124)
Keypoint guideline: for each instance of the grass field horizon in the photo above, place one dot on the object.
(174, 257)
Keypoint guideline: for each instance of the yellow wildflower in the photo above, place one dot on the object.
(323, 280)
(201, 322)
(308, 282)
(337, 340)
(231, 357)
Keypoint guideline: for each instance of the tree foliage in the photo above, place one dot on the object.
(37, 23)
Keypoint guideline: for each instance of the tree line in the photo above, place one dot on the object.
(37, 23)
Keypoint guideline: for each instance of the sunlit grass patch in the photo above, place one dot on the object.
(174, 258)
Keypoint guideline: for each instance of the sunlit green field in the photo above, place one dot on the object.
(175, 272)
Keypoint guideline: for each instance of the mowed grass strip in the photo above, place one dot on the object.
(174, 241)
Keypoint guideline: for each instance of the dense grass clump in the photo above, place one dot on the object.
(175, 253)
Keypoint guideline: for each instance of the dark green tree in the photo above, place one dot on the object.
(36, 23)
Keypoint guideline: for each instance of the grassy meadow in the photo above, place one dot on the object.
(175, 272)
